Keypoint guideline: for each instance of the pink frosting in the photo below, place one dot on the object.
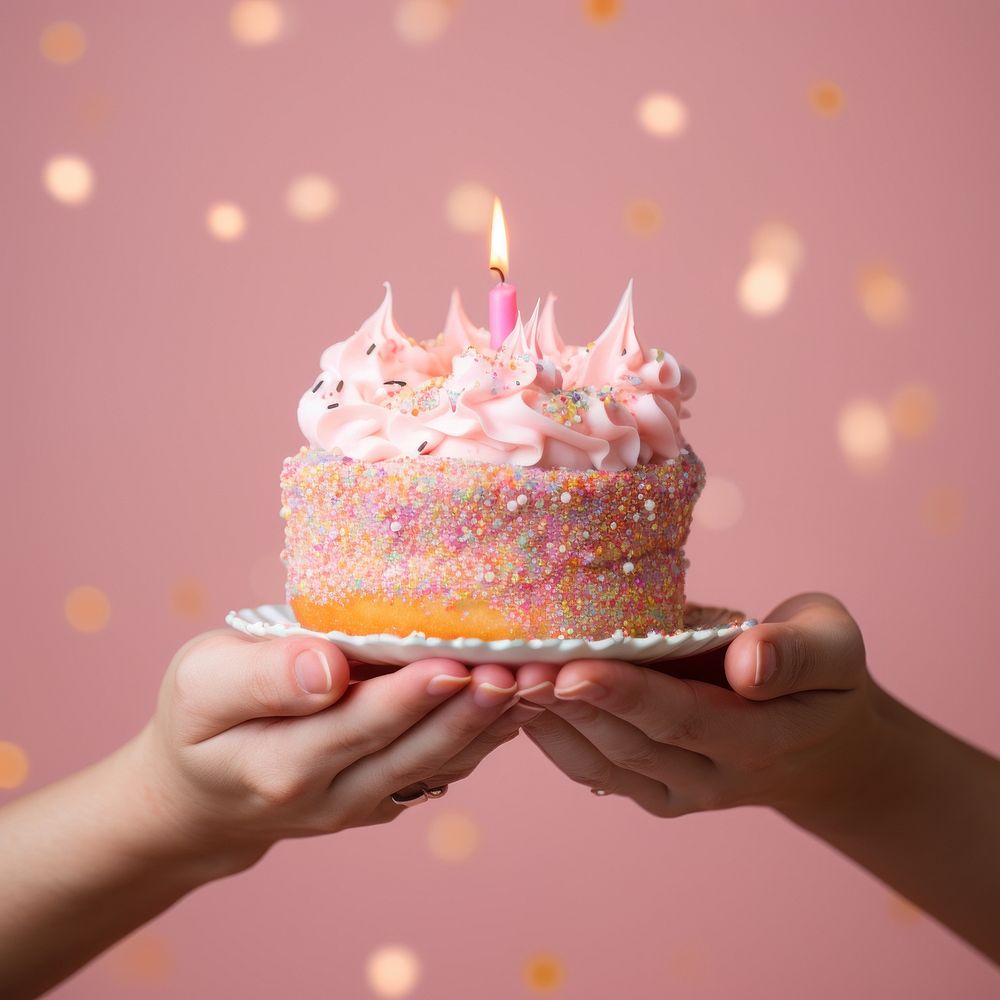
(537, 401)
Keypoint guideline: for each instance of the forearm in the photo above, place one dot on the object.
(83, 864)
(923, 816)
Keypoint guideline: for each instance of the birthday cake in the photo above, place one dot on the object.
(540, 490)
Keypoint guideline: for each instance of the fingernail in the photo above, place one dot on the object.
(542, 692)
(767, 663)
(313, 672)
(447, 683)
(585, 690)
(524, 712)
(490, 696)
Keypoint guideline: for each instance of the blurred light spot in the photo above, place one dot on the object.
(469, 207)
(453, 836)
(601, 11)
(256, 22)
(188, 599)
(777, 243)
(826, 98)
(720, 505)
(13, 765)
(903, 911)
(142, 958)
(662, 115)
(69, 179)
(311, 197)
(226, 221)
(864, 435)
(267, 579)
(883, 295)
(643, 217)
(421, 21)
(544, 973)
(393, 970)
(763, 288)
(689, 960)
(944, 511)
(63, 43)
(87, 609)
(913, 411)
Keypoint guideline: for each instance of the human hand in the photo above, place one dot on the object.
(253, 742)
(801, 719)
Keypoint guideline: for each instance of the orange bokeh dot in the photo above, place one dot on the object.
(13, 765)
(903, 911)
(143, 958)
(826, 98)
(544, 973)
(63, 43)
(87, 609)
(913, 411)
(453, 836)
(188, 599)
(883, 295)
(944, 511)
(601, 11)
(643, 217)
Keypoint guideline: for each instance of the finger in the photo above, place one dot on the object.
(581, 761)
(633, 750)
(808, 643)
(421, 751)
(220, 680)
(689, 714)
(536, 682)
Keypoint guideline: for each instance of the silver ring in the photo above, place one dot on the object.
(599, 791)
(422, 794)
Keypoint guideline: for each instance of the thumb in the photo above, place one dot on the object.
(220, 680)
(808, 643)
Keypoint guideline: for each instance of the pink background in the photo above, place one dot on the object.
(152, 374)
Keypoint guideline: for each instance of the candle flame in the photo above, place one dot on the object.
(498, 240)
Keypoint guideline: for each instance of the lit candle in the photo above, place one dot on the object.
(503, 297)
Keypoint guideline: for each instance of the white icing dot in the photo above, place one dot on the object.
(650, 505)
(511, 505)
(395, 526)
(635, 517)
(562, 548)
(586, 534)
(628, 567)
(565, 498)
(614, 524)
(489, 576)
(522, 499)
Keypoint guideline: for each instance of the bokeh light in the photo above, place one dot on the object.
(662, 115)
(13, 765)
(188, 598)
(69, 179)
(720, 505)
(311, 197)
(864, 434)
(419, 22)
(87, 609)
(944, 511)
(883, 295)
(602, 11)
(393, 970)
(256, 22)
(544, 973)
(643, 217)
(469, 207)
(226, 221)
(777, 243)
(826, 98)
(913, 411)
(63, 43)
(902, 911)
(763, 288)
(453, 836)
(143, 958)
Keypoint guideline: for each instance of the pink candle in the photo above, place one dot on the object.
(503, 298)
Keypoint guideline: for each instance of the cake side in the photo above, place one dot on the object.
(452, 547)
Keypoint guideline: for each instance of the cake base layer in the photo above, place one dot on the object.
(455, 548)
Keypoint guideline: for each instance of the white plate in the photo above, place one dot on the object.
(707, 628)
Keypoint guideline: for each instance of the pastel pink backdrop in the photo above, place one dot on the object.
(152, 373)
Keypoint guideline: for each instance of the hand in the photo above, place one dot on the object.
(800, 720)
(256, 741)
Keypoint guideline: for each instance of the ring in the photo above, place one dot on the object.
(422, 794)
(599, 791)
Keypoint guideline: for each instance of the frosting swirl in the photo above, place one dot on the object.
(535, 402)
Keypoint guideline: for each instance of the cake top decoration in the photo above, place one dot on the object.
(536, 401)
